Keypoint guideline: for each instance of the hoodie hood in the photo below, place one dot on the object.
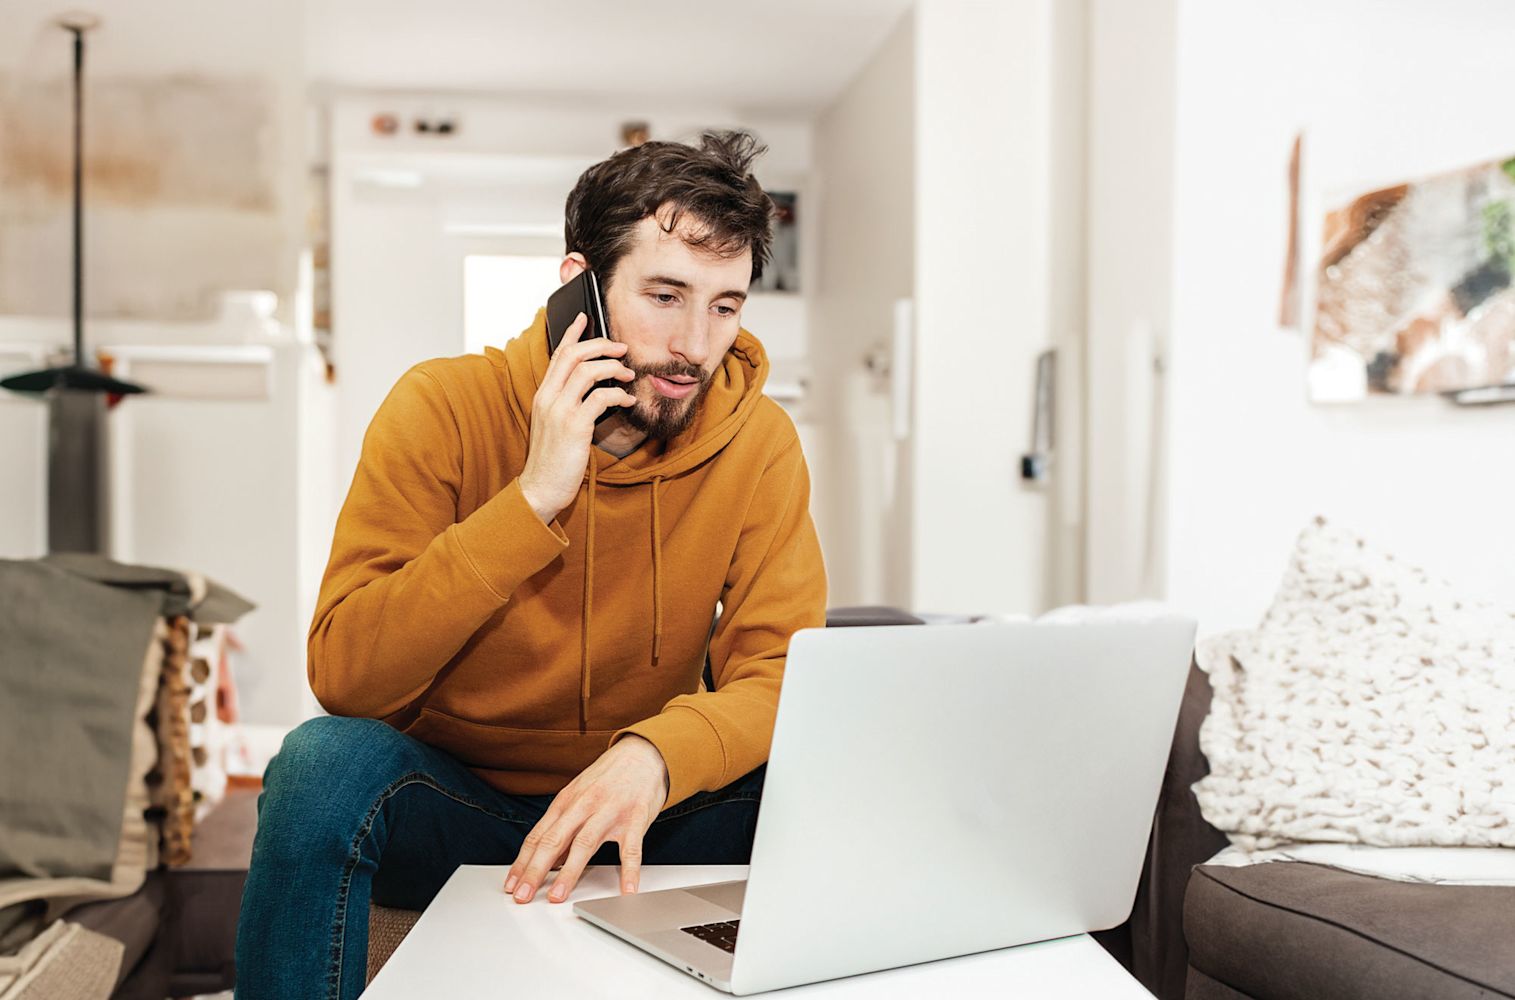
(734, 392)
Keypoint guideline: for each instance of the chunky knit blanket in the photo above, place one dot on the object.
(1371, 706)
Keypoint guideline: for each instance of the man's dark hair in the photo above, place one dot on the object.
(712, 184)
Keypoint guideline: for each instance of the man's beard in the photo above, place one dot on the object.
(661, 417)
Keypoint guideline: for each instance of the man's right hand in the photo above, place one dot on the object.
(562, 418)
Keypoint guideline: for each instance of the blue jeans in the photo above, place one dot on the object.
(353, 810)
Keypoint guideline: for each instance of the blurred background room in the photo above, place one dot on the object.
(1057, 302)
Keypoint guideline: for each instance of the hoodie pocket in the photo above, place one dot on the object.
(540, 761)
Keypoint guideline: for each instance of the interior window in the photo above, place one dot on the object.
(501, 295)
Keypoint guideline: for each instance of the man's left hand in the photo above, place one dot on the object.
(615, 799)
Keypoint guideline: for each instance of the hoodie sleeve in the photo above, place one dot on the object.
(407, 583)
(776, 585)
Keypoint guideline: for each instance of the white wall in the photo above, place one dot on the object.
(1388, 90)
(1067, 255)
(864, 178)
(984, 122)
(216, 486)
(193, 146)
(1131, 67)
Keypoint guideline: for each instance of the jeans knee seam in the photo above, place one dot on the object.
(339, 927)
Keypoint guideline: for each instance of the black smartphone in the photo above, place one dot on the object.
(580, 295)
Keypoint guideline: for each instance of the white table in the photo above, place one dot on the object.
(474, 941)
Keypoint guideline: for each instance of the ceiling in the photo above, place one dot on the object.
(776, 56)
(789, 56)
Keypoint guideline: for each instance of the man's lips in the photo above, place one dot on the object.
(672, 389)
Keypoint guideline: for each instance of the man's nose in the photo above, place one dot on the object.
(692, 342)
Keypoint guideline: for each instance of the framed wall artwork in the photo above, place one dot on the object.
(1412, 286)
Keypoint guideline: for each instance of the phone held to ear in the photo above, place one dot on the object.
(580, 295)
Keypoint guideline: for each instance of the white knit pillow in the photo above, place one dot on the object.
(1371, 706)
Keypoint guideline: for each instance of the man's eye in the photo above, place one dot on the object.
(665, 298)
(725, 310)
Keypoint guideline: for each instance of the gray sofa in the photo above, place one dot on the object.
(179, 930)
(1289, 930)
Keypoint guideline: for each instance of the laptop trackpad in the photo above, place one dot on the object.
(727, 894)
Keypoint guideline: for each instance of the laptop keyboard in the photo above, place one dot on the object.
(722, 935)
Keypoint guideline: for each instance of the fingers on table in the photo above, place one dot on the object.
(571, 835)
(541, 849)
(631, 861)
(584, 844)
(561, 832)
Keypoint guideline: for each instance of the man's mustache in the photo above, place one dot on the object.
(670, 369)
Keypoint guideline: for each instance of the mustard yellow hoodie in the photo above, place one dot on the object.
(450, 611)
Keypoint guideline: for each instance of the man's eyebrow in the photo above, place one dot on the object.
(663, 279)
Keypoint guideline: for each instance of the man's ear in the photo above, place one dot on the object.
(573, 265)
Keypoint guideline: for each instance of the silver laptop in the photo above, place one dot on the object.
(932, 792)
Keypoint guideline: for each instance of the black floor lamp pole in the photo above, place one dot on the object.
(78, 31)
(78, 494)
(80, 373)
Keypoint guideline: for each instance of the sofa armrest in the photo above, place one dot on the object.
(871, 614)
(1180, 840)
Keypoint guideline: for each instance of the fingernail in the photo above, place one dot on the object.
(510, 884)
(523, 894)
(558, 892)
(629, 887)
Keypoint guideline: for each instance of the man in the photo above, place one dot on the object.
(511, 633)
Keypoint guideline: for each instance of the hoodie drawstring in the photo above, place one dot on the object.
(734, 395)
(657, 574)
(584, 666)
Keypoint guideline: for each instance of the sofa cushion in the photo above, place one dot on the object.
(1373, 705)
(1202, 987)
(387, 927)
(132, 920)
(206, 895)
(65, 960)
(1290, 929)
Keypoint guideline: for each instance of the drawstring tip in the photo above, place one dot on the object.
(657, 648)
